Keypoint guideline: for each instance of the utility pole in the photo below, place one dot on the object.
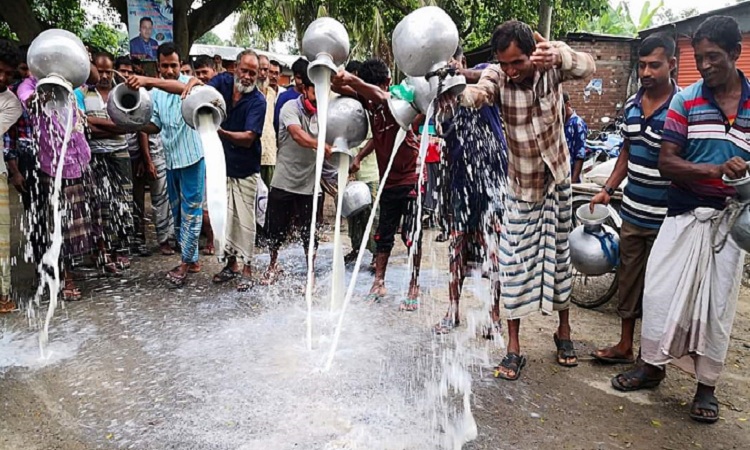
(545, 17)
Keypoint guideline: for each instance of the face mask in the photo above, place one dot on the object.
(309, 107)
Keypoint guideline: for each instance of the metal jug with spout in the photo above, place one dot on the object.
(347, 125)
(60, 63)
(423, 42)
(357, 197)
(406, 111)
(128, 109)
(594, 247)
(326, 45)
(203, 100)
(740, 226)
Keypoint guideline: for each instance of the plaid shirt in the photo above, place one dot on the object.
(533, 119)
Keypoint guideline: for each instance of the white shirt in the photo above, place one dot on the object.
(10, 112)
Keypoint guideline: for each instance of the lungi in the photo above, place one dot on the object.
(185, 187)
(690, 294)
(164, 223)
(240, 232)
(113, 177)
(4, 236)
(534, 254)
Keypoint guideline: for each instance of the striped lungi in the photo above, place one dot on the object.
(4, 236)
(534, 253)
(241, 228)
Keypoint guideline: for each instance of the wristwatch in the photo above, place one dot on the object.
(609, 190)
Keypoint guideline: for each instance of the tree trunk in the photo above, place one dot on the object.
(180, 32)
(19, 17)
(545, 17)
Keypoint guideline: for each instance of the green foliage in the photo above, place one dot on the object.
(618, 21)
(210, 38)
(65, 14)
(105, 37)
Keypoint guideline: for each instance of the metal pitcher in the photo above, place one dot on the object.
(740, 227)
(60, 63)
(201, 100)
(347, 125)
(405, 112)
(326, 45)
(357, 197)
(423, 42)
(129, 109)
(594, 247)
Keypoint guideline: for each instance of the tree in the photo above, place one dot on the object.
(210, 38)
(668, 16)
(192, 19)
(618, 21)
(104, 37)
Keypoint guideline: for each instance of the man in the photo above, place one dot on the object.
(10, 112)
(205, 72)
(149, 169)
(240, 136)
(111, 169)
(268, 157)
(290, 200)
(219, 64)
(399, 196)
(475, 165)
(205, 68)
(186, 169)
(299, 69)
(274, 72)
(534, 255)
(694, 270)
(576, 132)
(186, 69)
(263, 72)
(143, 46)
(645, 197)
(81, 222)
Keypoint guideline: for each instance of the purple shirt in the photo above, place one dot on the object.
(78, 154)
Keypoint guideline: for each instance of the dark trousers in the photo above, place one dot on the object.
(398, 206)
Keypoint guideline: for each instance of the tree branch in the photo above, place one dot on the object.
(21, 20)
(472, 20)
(121, 6)
(209, 15)
(397, 5)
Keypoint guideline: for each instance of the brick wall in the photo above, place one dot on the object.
(613, 66)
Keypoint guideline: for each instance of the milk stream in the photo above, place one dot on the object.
(322, 92)
(216, 178)
(353, 282)
(51, 259)
(337, 277)
(423, 143)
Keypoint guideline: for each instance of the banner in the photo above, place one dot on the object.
(149, 24)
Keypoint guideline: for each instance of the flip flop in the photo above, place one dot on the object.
(514, 362)
(225, 275)
(210, 250)
(177, 281)
(612, 360)
(374, 297)
(445, 326)
(246, 284)
(638, 374)
(565, 350)
(71, 294)
(409, 304)
(706, 402)
(7, 306)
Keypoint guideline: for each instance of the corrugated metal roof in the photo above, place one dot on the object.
(230, 53)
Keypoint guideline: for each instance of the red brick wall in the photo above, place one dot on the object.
(613, 66)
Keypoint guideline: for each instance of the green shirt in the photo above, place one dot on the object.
(368, 169)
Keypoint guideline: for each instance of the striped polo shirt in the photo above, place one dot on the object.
(644, 201)
(92, 103)
(182, 144)
(697, 125)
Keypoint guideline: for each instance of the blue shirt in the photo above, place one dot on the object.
(696, 124)
(289, 94)
(644, 200)
(248, 114)
(143, 50)
(575, 135)
(182, 144)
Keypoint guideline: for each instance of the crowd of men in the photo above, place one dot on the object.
(504, 194)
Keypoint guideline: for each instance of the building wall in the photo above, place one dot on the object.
(613, 66)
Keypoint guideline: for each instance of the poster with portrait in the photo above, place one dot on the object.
(149, 24)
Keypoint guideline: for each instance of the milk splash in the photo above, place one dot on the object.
(322, 81)
(337, 278)
(362, 246)
(423, 143)
(216, 177)
(51, 258)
